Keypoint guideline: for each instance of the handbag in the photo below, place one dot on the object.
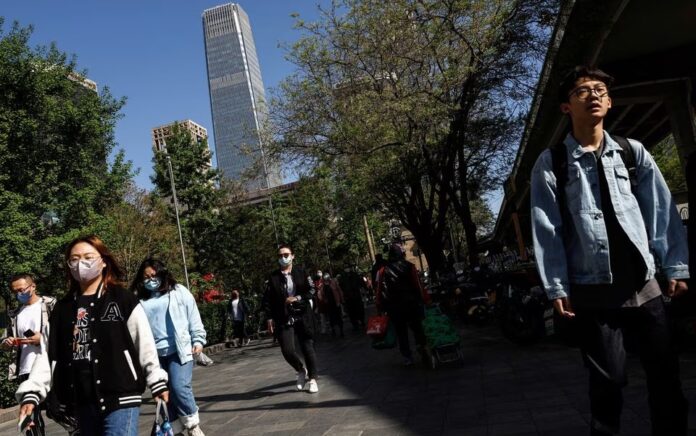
(377, 325)
(388, 340)
(161, 426)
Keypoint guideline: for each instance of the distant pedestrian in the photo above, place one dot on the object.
(332, 296)
(101, 353)
(287, 300)
(353, 287)
(27, 333)
(379, 263)
(238, 311)
(179, 335)
(322, 304)
(401, 295)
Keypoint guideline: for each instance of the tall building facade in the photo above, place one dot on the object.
(237, 98)
(161, 133)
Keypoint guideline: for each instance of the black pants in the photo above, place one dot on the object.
(288, 335)
(602, 346)
(238, 330)
(356, 312)
(38, 428)
(405, 318)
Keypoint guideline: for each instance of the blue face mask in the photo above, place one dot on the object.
(24, 297)
(152, 284)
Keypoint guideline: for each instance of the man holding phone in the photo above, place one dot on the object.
(24, 334)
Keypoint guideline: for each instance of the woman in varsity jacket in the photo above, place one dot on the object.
(101, 352)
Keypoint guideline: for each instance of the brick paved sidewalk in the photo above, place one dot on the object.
(500, 389)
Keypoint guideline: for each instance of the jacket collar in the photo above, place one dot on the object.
(576, 150)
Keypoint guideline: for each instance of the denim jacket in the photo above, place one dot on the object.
(188, 327)
(649, 218)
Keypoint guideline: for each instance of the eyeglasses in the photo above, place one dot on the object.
(583, 92)
(286, 255)
(75, 260)
(22, 291)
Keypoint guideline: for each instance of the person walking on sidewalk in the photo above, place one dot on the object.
(238, 311)
(287, 300)
(101, 353)
(27, 333)
(331, 294)
(179, 335)
(353, 285)
(401, 295)
(601, 216)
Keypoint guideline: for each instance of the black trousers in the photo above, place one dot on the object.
(288, 336)
(356, 312)
(238, 330)
(602, 346)
(39, 427)
(405, 318)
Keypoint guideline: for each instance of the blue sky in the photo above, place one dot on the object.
(151, 51)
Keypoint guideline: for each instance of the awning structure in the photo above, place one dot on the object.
(650, 48)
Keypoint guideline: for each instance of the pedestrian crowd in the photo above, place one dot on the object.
(603, 222)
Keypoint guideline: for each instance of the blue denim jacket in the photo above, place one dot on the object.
(188, 327)
(579, 254)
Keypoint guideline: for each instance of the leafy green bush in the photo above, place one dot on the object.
(215, 322)
(7, 387)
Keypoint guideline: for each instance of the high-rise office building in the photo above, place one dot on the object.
(161, 133)
(237, 99)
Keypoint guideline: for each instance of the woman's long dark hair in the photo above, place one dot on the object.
(167, 280)
(112, 274)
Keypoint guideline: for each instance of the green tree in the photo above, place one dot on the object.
(196, 184)
(666, 156)
(139, 227)
(56, 136)
(422, 100)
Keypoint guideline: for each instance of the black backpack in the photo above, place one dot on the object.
(559, 161)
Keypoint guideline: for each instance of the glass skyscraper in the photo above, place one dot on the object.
(237, 99)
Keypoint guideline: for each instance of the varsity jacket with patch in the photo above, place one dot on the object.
(123, 355)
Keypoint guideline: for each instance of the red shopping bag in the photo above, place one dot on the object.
(377, 325)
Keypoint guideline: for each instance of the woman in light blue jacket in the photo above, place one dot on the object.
(179, 334)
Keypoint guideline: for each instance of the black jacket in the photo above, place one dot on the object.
(276, 293)
(123, 355)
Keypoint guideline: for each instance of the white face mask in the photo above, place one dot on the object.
(86, 271)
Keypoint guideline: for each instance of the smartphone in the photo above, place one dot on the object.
(29, 333)
(24, 423)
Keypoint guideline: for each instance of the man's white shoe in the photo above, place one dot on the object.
(195, 431)
(313, 386)
(301, 379)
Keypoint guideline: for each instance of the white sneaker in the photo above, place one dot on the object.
(313, 386)
(301, 379)
(195, 431)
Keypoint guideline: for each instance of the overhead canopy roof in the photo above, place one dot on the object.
(649, 47)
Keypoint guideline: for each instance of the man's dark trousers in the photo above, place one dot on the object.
(602, 345)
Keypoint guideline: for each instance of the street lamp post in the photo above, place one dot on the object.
(176, 211)
(270, 194)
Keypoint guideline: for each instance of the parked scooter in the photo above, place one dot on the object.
(524, 313)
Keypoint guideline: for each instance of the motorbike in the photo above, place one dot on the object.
(524, 313)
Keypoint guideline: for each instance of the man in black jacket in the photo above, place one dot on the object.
(288, 301)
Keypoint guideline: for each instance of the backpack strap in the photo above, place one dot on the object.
(628, 157)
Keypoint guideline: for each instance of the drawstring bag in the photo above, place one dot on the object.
(161, 426)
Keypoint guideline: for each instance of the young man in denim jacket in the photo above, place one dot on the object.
(596, 246)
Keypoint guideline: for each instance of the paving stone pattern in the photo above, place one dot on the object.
(500, 389)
